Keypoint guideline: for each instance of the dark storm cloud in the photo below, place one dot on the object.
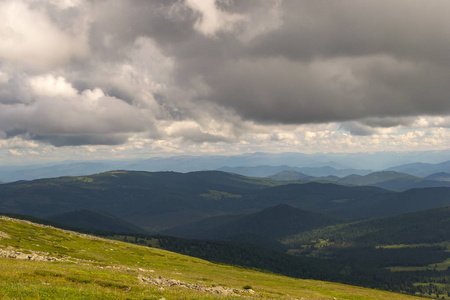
(323, 28)
(369, 64)
(356, 128)
(61, 140)
(330, 61)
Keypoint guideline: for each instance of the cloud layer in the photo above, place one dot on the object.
(218, 75)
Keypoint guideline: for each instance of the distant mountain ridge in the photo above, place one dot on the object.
(291, 175)
(391, 180)
(441, 176)
(269, 171)
(186, 163)
(422, 169)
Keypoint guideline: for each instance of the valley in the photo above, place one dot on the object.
(358, 235)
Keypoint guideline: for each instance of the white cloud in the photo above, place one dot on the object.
(4, 77)
(64, 4)
(51, 86)
(18, 142)
(213, 19)
(59, 112)
(29, 38)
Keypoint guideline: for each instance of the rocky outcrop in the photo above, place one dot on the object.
(37, 256)
(4, 235)
(219, 290)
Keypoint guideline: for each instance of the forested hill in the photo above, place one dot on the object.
(163, 200)
(423, 227)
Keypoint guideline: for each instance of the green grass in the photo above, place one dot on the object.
(442, 266)
(104, 269)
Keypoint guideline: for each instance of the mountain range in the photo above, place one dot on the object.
(252, 164)
(162, 200)
(422, 169)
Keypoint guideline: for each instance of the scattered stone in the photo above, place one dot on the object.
(37, 256)
(219, 290)
(4, 235)
(144, 270)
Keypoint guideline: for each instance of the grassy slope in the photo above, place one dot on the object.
(87, 275)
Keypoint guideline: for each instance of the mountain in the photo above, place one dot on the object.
(412, 246)
(377, 177)
(391, 180)
(441, 176)
(257, 171)
(349, 202)
(422, 169)
(329, 171)
(162, 200)
(87, 219)
(153, 201)
(423, 227)
(59, 264)
(269, 225)
(11, 174)
(318, 164)
(290, 176)
(267, 171)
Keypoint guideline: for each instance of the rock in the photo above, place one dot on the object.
(219, 290)
(12, 253)
(4, 235)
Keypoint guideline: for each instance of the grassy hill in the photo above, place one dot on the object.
(41, 262)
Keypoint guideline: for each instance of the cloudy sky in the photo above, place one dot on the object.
(116, 79)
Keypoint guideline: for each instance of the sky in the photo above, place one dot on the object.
(132, 79)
